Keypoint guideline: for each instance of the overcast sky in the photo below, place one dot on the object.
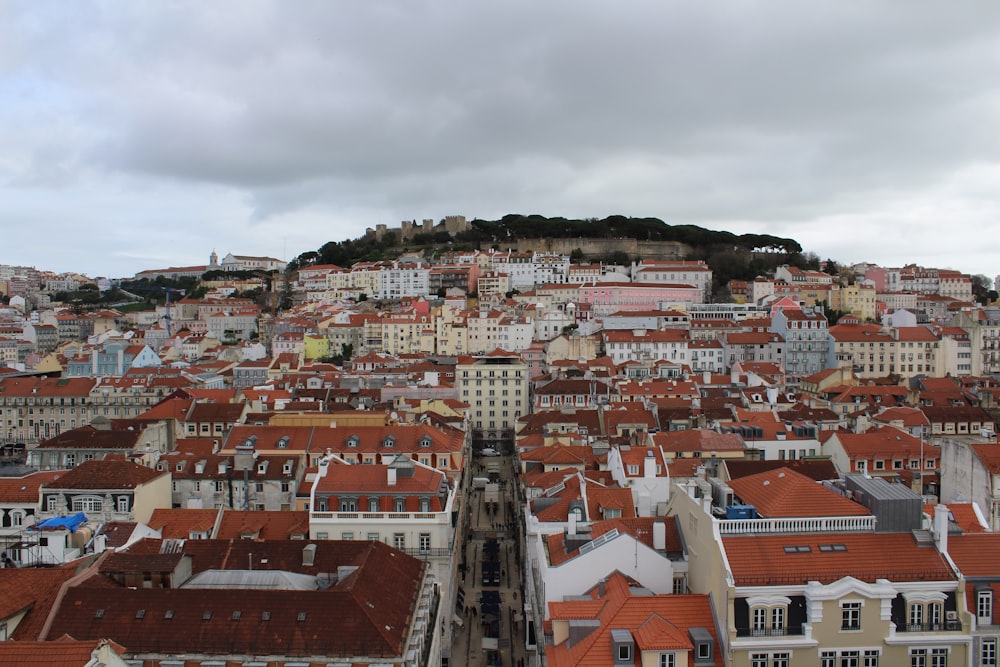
(138, 135)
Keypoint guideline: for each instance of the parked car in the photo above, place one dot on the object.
(489, 451)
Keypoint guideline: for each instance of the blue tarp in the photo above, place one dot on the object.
(71, 522)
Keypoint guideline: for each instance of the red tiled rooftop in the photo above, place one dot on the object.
(761, 560)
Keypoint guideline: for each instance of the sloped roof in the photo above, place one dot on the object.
(32, 589)
(784, 493)
(373, 606)
(179, 523)
(62, 652)
(88, 437)
(106, 474)
(762, 560)
(654, 621)
(16, 490)
(270, 525)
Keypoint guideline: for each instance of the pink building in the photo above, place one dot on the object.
(607, 298)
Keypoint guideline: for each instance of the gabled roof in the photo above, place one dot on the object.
(785, 493)
(656, 622)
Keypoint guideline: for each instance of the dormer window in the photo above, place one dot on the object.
(389, 441)
(353, 441)
(425, 441)
(622, 646)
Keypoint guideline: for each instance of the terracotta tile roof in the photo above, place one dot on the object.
(885, 442)
(179, 523)
(698, 440)
(216, 412)
(761, 560)
(988, 455)
(818, 470)
(34, 590)
(976, 554)
(273, 525)
(88, 437)
(374, 605)
(966, 516)
(600, 499)
(46, 387)
(62, 652)
(106, 474)
(117, 533)
(784, 493)
(19, 490)
(655, 621)
(641, 528)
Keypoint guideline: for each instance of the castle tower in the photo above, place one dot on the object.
(213, 260)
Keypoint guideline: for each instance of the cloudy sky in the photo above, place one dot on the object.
(140, 135)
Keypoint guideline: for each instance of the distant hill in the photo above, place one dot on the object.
(731, 256)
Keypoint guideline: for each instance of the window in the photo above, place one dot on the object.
(777, 620)
(871, 658)
(779, 660)
(988, 652)
(87, 504)
(122, 503)
(850, 616)
(348, 505)
(916, 616)
(399, 540)
(624, 652)
(347, 536)
(667, 660)
(758, 660)
(984, 607)
(425, 542)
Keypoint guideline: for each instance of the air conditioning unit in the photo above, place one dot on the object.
(951, 615)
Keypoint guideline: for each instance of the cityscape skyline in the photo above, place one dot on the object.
(148, 136)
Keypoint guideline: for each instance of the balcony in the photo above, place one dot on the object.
(787, 631)
(842, 524)
(946, 626)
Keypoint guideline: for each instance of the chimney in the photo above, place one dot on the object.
(571, 529)
(309, 555)
(660, 535)
(941, 527)
(649, 465)
(392, 476)
(706, 377)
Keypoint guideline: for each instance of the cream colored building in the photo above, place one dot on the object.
(496, 388)
(823, 592)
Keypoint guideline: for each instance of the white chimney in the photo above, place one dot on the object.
(392, 476)
(309, 555)
(941, 527)
(571, 529)
(659, 535)
(649, 465)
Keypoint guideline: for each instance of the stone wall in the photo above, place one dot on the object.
(598, 248)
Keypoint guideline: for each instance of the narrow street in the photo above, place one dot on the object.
(489, 576)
